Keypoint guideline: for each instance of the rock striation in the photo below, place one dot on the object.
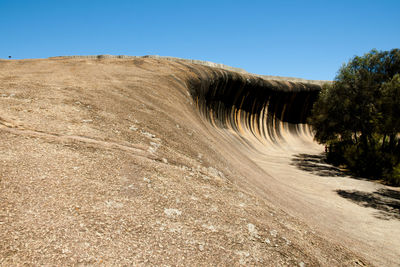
(150, 161)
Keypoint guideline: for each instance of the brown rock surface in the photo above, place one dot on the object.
(149, 161)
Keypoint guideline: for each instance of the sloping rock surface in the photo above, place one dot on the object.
(159, 161)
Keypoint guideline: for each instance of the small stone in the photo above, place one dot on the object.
(288, 242)
(133, 128)
(213, 207)
(274, 233)
(302, 264)
(172, 212)
(157, 145)
(252, 230)
(154, 147)
(209, 227)
(147, 134)
(201, 247)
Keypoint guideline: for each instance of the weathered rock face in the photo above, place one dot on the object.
(244, 102)
(153, 161)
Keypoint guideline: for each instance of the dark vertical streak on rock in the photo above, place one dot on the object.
(245, 102)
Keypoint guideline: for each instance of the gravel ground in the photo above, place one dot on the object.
(109, 162)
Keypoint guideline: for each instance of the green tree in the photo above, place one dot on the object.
(391, 111)
(357, 116)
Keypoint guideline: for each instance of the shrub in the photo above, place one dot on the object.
(357, 116)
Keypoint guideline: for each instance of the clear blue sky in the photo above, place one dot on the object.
(308, 39)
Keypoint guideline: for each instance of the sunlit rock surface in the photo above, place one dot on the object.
(163, 161)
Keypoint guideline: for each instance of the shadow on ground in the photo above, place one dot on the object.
(385, 201)
(316, 164)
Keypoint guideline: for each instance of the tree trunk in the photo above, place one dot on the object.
(392, 142)
(383, 142)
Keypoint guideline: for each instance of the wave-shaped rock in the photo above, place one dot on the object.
(122, 160)
(237, 101)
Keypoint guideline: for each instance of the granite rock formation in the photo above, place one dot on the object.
(151, 161)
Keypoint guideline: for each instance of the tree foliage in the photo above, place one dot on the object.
(358, 115)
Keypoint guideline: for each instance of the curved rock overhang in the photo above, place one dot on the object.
(232, 98)
(243, 102)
